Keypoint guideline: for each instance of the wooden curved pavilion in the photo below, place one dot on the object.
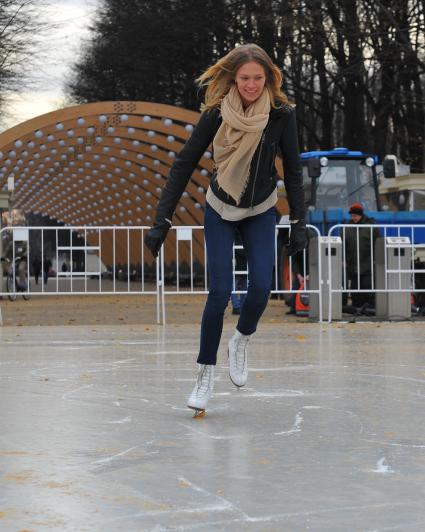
(102, 164)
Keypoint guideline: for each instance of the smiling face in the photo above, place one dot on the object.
(250, 80)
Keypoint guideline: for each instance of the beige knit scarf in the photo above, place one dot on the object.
(237, 139)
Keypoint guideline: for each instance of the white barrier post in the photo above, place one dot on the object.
(158, 287)
(162, 286)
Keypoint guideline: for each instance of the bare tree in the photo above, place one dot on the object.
(354, 68)
(20, 27)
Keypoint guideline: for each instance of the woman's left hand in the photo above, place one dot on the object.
(297, 238)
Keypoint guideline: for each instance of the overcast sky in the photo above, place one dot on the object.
(70, 20)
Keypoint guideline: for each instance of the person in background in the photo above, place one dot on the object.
(359, 250)
(46, 268)
(248, 119)
(36, 266)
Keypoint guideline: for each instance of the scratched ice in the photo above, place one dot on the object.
(327, 435)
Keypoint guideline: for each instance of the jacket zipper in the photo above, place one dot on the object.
(258, 164)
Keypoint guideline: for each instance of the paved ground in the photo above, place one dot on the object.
(116, 310)
(328, 435)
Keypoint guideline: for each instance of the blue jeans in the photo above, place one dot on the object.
(258, 239)
(238, 299)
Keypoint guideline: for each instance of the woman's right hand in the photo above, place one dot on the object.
(155, 237)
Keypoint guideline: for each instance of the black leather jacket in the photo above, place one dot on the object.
(279, 134)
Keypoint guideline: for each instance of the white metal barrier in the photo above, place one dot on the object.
(77, 260)
(391, 268)
(190, 275)
(113, 260)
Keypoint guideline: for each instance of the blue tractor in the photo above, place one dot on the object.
(334, 180)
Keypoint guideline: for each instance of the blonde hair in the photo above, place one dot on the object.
(219, 77)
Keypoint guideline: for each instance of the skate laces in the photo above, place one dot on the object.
(204, 379)
(240, 355)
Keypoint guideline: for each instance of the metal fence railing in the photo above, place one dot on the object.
(382, 261)
(184, 268)
(43, 261)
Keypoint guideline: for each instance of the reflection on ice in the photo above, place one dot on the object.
(328, 434)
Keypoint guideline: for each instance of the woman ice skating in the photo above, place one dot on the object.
(248, 119)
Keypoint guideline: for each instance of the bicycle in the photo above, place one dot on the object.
(17, 280)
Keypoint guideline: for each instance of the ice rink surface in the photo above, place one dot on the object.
(328, 434)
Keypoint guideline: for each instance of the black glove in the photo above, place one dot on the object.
(297, 238)
(155, 237)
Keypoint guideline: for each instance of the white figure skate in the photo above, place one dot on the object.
(238, 358)
(202, 391)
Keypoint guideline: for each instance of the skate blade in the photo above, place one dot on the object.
(199, 413)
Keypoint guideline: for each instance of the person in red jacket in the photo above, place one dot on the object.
(248, 119)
